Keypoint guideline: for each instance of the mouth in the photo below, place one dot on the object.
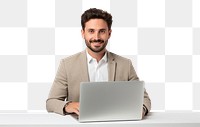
(99, 41)
(96, 44)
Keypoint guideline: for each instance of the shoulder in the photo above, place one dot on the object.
(75, 57)
(118, 58)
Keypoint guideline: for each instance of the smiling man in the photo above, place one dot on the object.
(94, 64)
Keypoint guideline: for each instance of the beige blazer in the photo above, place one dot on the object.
(73, 70)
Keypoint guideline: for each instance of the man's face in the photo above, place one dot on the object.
(96, 34)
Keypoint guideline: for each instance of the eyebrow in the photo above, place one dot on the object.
(94, 29)
(102, 29)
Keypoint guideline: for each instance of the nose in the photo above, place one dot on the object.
(97, 36)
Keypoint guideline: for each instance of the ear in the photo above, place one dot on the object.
(109, 32)
(83, 33)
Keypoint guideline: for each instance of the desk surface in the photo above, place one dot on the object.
(154, 119)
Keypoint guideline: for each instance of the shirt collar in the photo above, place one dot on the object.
(90, 58)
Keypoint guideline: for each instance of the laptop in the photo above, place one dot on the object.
(111, 101)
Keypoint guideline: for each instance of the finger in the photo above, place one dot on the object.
(77, 109)
(77, 106)
(77, 112)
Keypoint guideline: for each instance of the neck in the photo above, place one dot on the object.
(98, 56)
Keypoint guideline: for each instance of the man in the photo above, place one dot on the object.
(93, 64)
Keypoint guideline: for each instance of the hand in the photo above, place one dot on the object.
(143, 113)
(72, 107)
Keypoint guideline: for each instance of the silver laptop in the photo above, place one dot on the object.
(111, 101)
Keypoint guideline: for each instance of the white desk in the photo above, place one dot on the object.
(155, 119)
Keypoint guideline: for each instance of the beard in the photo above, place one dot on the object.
(96, 49)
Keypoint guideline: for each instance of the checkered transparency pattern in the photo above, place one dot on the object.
(161, 37)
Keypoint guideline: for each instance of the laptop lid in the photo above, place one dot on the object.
(110, 101)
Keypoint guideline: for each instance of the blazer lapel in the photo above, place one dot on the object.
(84, 67)
(111, 67)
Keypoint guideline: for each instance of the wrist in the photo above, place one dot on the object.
(65, 107)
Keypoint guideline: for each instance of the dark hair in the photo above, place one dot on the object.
(94, 13)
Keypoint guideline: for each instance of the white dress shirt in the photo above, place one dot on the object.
(98, 71)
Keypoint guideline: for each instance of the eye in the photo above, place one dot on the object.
(91, 31)
(102, 31)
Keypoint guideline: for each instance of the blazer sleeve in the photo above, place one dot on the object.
(133, 76)
(58, 93)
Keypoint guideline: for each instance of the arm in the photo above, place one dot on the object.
(147, 101)
(58, 93)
